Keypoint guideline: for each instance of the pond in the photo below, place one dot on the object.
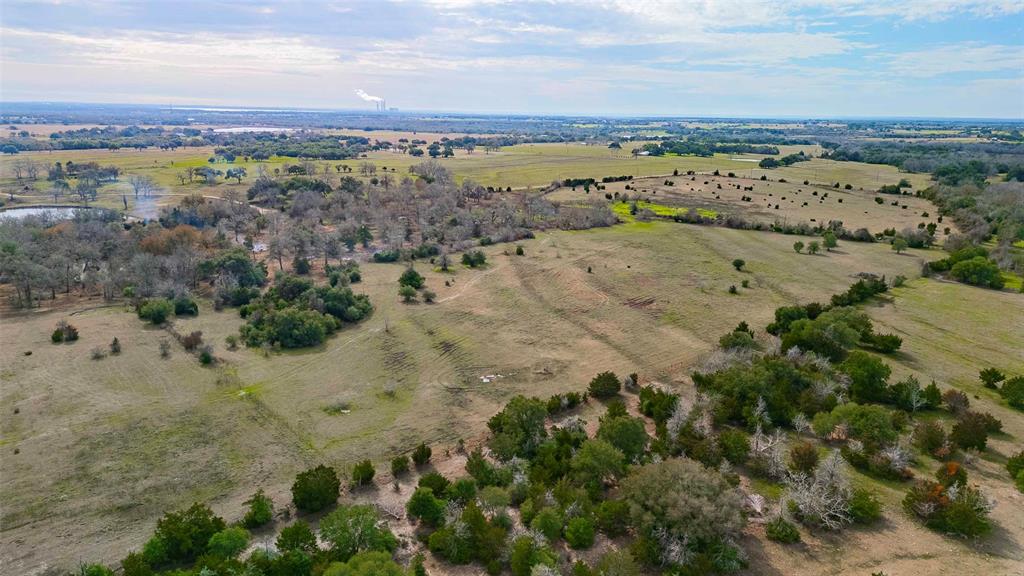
(54, 212)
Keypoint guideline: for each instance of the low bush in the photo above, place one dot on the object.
(782, 531)
(411, 278)
(363, 473)
(426, 507)
(229, 542)
(864, 507)
(930, 438)
(873, 425)
(991, 377)
(407, 293)
(1015, 464)
(956, 401)
(474, 259)
(435, 481)
(561, 402)
(803, 457)
(549, 523)
(316, 489)
(300, 266)
(950, 473)
(604, 385)
(734, 445)
(185, 306)
(579, 533)
(298, 536)
(399, 465)
(206, 355)
(183, 536)
(261, 510)
(421, 454)
(192, 341)
(349, 530)
(156, 311)
(612, 517)
(1013, 392)
(737, 341)
(461, 491)
(64, 333)
(970, 431)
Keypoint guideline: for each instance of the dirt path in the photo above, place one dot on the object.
(471, 282)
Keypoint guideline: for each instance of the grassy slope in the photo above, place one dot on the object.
(655, 302)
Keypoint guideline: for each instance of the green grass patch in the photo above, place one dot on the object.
(1012, 281)
(766, 488)
(623, 209)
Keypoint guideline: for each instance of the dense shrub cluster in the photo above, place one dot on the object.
(64, 332)
(156, 311)
(950, 504)
(563, 402)
(832, 330)
(294, 313)
(474, 259)
(771, 391)
(971, 265)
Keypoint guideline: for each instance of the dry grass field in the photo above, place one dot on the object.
(105, 446)
(774, 201)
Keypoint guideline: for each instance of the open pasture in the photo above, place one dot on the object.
(105, 446)
(520, 166)
(537, 165)
(773, 201)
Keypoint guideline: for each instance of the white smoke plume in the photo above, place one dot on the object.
(367, 97)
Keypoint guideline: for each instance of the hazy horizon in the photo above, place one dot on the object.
(412, 111)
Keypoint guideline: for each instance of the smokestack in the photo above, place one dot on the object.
(378, 102)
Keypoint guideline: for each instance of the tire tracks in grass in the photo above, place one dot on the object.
(472, 281)
(573, 319)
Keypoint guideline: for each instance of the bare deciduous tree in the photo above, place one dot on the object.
(141, 185)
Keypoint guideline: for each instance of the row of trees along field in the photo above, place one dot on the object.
(794, 411)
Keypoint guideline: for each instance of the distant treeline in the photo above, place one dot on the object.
(952, 163)
(704, 148)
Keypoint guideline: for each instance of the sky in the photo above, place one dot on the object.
(797, 58)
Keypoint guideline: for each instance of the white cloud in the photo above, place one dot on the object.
(956, 58)
(922, 10)
(200, 52)
(637, 56)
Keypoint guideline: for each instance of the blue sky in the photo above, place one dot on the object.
(945, 58)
